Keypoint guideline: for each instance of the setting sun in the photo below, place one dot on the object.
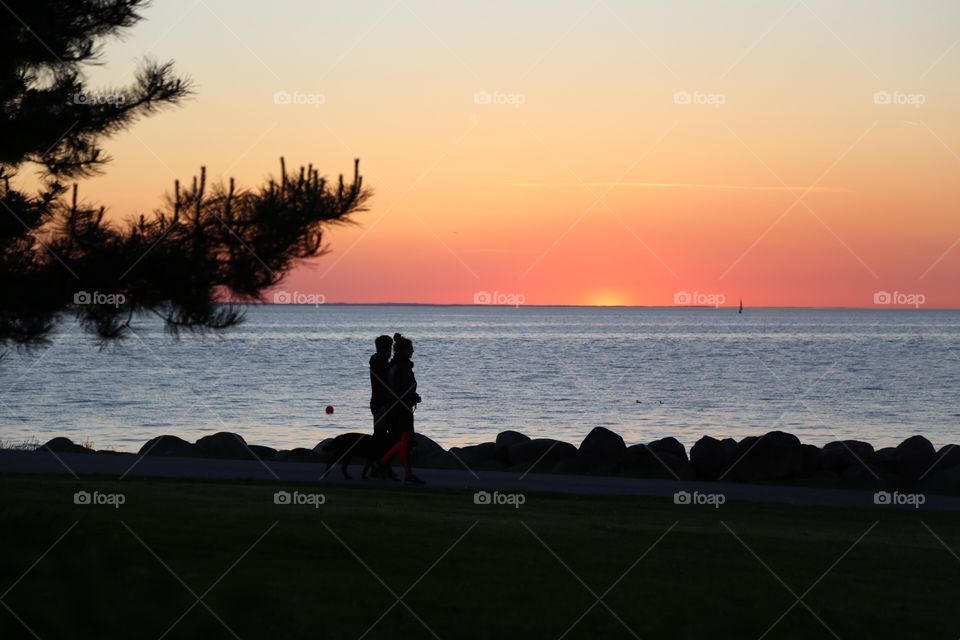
(608, 299)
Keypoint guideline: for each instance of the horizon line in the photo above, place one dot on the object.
(592, 306)
(684, 185)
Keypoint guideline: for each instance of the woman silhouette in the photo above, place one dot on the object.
(404, 386)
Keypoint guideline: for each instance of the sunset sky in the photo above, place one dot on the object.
(787, 152)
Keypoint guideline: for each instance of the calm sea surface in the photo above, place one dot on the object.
(646, 373)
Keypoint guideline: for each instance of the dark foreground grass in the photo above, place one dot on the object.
(379, 563)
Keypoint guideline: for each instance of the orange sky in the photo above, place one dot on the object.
(605, 152)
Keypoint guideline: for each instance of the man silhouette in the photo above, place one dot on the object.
(381, 397)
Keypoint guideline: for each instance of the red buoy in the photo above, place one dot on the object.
(329, 408)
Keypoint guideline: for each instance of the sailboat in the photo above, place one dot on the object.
(741, 306)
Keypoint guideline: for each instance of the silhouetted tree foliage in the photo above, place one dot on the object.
(211, 243)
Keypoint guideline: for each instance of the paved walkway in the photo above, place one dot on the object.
(132, 466)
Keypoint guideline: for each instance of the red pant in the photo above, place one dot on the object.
(403, 448)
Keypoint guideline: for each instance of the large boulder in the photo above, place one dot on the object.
(266, 453)
(647, 461)
(670, 446)
(948, 457)
(858, 476)
(711, 458)
(837, 456)
(601, 451)
(168, 446)
(541, 454)
(428, 453)
(480, 456)
(773, 456)
(944, 481)
(224, 445)
(510, 438)
(915, 456)
(64, 445)
(299, 454)
(424, 446)
(505, 440)
(811, 460)
(439, 460)
(885, 459)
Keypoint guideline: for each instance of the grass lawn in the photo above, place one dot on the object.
(462, 570)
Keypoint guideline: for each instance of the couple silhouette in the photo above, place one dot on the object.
(393, 400)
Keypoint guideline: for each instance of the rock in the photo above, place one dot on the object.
(711, 458)
(948, 457)
(64, 445)
(886, 459)
(481, 456)
(915, 456)
(858, 476)
(943, 481)
(671, 446)
(439, 460)
(644, 461)
(224, 445)
(265, 453)
(424, 447)
(568, 466)
(837, 456)
(299, 454)
(811, 460)
(505, 440)
(425, 452)
(541, 454)
(510, 438)
(602, 451)
(168, 446)
(773, 456)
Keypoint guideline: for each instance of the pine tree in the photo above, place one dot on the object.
(60, 258)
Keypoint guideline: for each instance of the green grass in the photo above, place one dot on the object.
(499, 580)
